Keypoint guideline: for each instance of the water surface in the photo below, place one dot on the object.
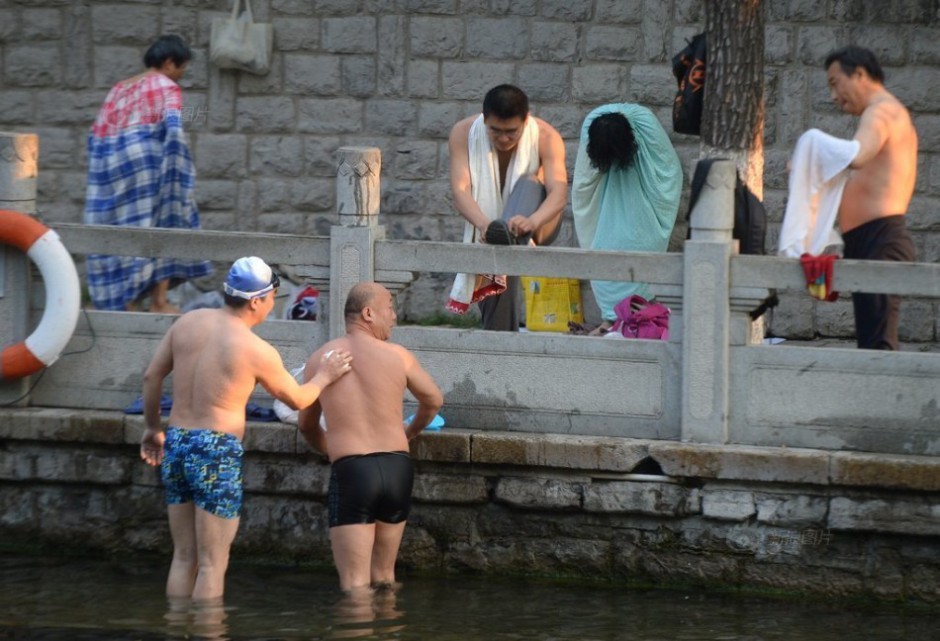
(53, 598)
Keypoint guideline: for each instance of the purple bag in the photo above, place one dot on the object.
(639, 318)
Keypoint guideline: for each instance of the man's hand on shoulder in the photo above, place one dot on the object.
(334, 364)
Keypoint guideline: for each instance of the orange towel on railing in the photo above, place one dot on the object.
(818, 272)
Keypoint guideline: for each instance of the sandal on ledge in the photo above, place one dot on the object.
(497, 233)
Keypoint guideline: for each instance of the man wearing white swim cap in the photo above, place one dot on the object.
(216, 361)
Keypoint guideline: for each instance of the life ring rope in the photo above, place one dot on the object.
(63, 295)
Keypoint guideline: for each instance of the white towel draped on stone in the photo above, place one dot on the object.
(484, 187)
(818, 173)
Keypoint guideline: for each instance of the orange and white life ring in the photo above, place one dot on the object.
(63, 295)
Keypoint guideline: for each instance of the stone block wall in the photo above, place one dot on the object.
(603, 508)
(397, 74)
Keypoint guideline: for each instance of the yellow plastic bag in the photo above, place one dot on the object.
(551, 302)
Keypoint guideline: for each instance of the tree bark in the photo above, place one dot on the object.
(733, 113)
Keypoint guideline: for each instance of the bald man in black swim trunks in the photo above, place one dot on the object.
(366, 439)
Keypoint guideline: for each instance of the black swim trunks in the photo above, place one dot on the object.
(371, 487)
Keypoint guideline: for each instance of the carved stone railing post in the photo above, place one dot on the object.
(706, 318)
(19, 155)
(358, 196)
(358, 192)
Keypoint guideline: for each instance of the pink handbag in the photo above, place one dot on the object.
(639, 318)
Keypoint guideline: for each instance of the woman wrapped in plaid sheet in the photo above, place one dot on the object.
(141, 174)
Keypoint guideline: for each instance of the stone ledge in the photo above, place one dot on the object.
(62, 424)
(279, 438)
(450, 488)
(273, 475)
(649, 498)
(886, 470)
(745, 463)
(590, 454)
(787, 510)
(901, 515)
(64, 463)
(539, 493)
(447, 446)
(728, 505)
(599, 453)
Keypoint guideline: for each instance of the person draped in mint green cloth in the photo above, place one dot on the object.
(625, 193)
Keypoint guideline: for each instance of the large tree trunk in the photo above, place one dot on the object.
(733, 113)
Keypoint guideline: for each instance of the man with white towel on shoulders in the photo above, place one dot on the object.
(868, 182)
(508, 177)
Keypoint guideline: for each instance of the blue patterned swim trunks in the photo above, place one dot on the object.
(203, 467)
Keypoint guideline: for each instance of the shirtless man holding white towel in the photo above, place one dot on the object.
(879, 187)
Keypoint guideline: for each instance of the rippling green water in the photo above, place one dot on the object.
(45, 598)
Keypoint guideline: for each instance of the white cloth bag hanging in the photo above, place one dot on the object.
(238, 42)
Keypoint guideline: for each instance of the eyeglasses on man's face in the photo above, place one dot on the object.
(505, 133)
(508, 129)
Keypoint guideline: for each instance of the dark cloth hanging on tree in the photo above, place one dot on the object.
(750, 222)
(750, 217)
(688, 66)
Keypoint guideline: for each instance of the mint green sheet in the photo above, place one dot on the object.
(628, 210)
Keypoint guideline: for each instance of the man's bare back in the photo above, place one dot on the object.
(363, 410)
(883, 173)
(364, 415)
(217, 360)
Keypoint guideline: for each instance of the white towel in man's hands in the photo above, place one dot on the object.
(818, 173)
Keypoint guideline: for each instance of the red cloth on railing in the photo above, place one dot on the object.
(818, 272)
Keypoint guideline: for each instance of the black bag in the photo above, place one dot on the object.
(750, 217)
(750, 223)
(688, 66)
